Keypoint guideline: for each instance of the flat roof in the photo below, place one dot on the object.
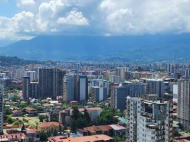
(80, 139)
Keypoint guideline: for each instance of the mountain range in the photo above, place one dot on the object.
(142, 48)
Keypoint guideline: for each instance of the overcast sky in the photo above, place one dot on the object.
(24, 19)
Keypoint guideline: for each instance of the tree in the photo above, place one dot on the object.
(87, 116)
(73, 125)
(15, 98)
(117, 139)
(43, 136)
(79, 120)
(75, 113)
(23, 128)
(8, 119)
(40, 108)
(107, 117)
(42, 117)
(31, 139)
(81, 123)
(7, 111)
(55, 132)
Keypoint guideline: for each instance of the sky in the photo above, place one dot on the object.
(25, 19)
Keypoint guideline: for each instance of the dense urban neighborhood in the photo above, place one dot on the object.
(92, 101)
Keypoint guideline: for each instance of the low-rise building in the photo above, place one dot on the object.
(65, 115)
(20, 137)
(31, 111)
(93, 112)
(17, 113)
(110, 130)
(118, 130)
(95, 138)
(50, 126)
(33, 134)
(105, 129)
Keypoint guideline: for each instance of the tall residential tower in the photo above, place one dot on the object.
(50, 82)
(149, 121)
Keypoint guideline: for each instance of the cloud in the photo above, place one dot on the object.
(10, 27)
(74, 18)
(23, 3)
(147, 16)
(103, 17)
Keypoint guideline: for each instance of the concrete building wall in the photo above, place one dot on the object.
(1, 110)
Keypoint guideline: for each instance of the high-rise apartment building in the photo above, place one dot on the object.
(115, 79)
(118, 97)
(183, 107)
(1, 110)
(119, 93)
(69, 82)
(26, 87)
(50, 82)
(100, 83)
(78, 67)
(120, 71)
(31, 74)
(34, 90)
(149, 121)
(155, 86)
(98, 93)
(83, 89)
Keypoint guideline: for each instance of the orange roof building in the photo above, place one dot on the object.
(95, 138)
(49, 126)
(13, 137)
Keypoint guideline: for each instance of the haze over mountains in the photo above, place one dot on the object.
(143, 48)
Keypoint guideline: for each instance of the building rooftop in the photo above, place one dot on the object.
(117, 127)
(30, 109)
(80, 139)
(31, 131)
(18, 136)
(48, 124)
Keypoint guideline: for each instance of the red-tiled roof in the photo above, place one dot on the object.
(30, 109)
(48, 124)
(18, 136)
(80, 139)
(105, 128)
(31, 131)
(95, 129)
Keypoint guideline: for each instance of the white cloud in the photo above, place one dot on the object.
(54, 30)
(147, 16)
(74, 18)
(23, 3)
(106, 17)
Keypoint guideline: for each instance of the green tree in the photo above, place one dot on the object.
(81, 123)
(73, 125)
(15, 98)
(117, 139)
(87, 116)
(8, 119)
(7, 111)
(107, 117)
(79, 120)
(55, 133)
(42, 117)
(31, 139)
(43, 136)
(75, 113)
